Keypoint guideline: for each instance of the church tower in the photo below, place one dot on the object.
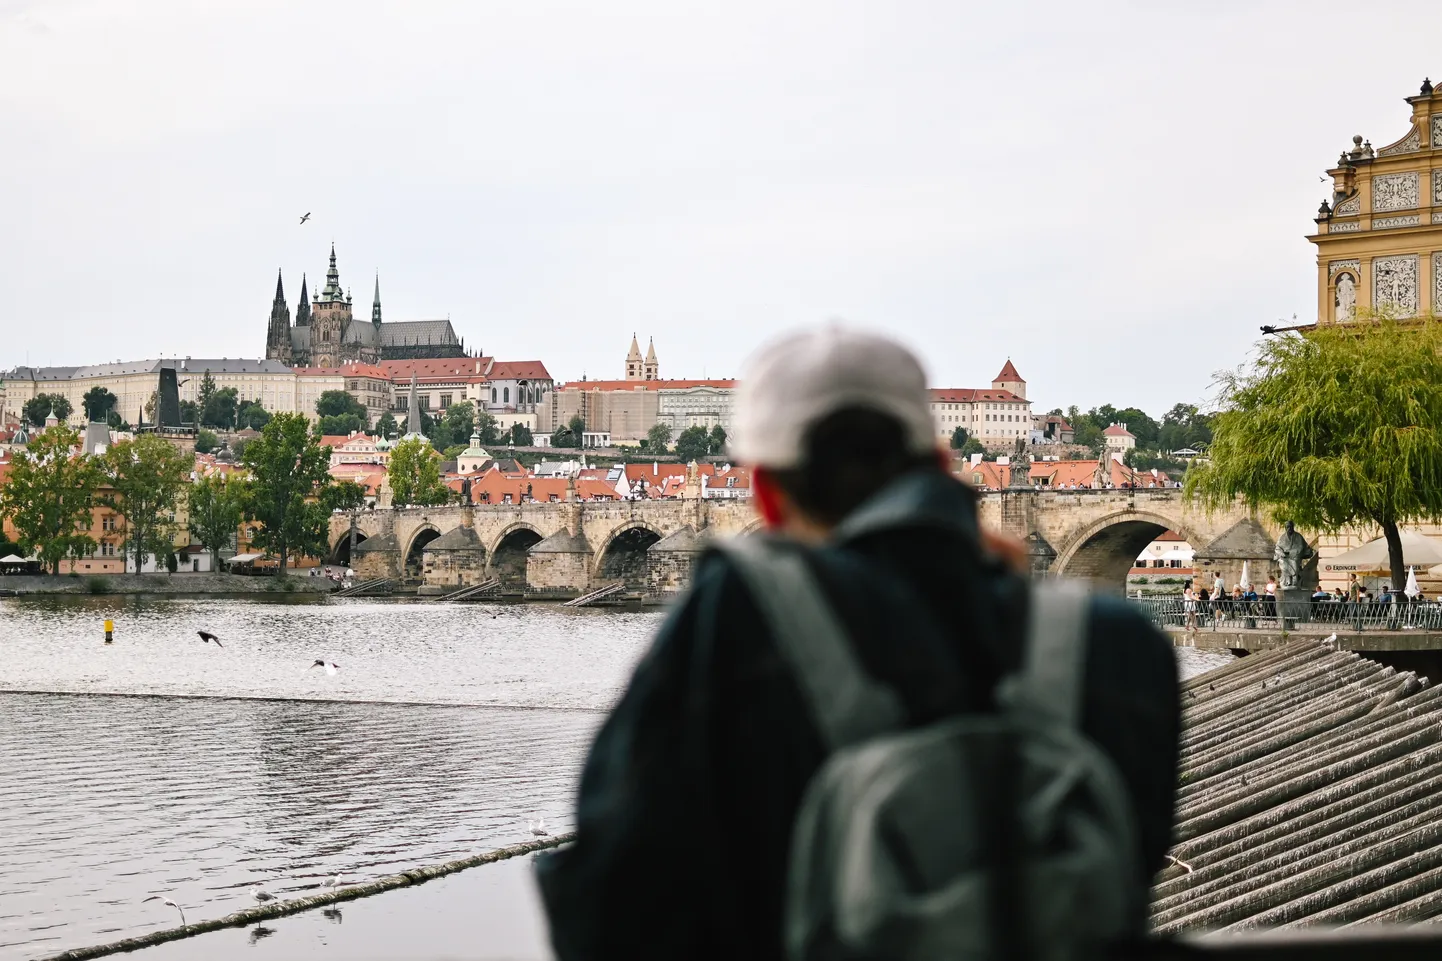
(633, 361)
(1010, 380)
(277, 338)
(302, 309)
(376, 309)
(651, 370)
(330, 319)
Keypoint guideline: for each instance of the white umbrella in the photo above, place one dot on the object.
(1412, 590)
(1246, 582)
(1417, 549)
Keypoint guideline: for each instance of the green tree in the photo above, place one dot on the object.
(189, 412)
(344, 496)
(205, 391)
(144, 481)
(415, 475)
(115, 422)
(38, 408)
(486, 428)
(49, 495)
(288, 486)
(659, 436)
(334, 403)
(339, 425)
(571, 434)
(1340, 427)
(215, 506)
(959, 437)
(971, 446)
(521, 435)
(206, 442)
(386, 425)
(98, 403)
(718, 439)
(218, 411)
(693, 444)
(251, 414)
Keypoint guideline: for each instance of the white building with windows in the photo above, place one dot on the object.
(996, 416)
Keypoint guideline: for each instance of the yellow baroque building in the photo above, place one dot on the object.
(1379, 237)
(1379, 247)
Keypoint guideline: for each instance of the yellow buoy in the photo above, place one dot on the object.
(109, 630)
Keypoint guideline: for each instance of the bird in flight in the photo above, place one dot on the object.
(538, 828)
(306, 217)
(208, 637)
(330, 666)
(261, 895)
(168, 903)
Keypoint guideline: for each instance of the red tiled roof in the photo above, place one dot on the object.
(450, 368)
(645, 384)
(349, 370)
(1008, 373)
(517, 370)
(651, 473)
(1058, 474)
(333, 440)
(1117, 430)
(969, 395)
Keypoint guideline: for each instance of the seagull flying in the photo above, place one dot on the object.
(538, 828)
(330, 666)
(168, 903)
(306, 217)
(261, 894)
(207, 637)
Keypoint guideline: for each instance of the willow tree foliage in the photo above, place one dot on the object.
(1341, 426)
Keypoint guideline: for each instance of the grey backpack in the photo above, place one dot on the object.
(981, 837)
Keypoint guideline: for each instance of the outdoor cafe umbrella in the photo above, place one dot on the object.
(12, 559)
(1246, 582)
(1418, 550)
(1412, 590)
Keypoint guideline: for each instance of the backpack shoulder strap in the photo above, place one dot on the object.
(846, 704)
(1056, 643)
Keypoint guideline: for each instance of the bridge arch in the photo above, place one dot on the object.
(1105, 550)
(340, 551)
(506, 556)
(413, 564)
(623, 557)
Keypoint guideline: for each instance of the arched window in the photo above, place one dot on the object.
(507, 392)
(493, 395)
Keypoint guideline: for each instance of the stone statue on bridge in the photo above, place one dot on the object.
(1292, 551)
(466, 491)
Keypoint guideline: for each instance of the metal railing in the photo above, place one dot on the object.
(1228, 614)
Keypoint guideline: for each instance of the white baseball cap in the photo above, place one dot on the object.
(799, 380)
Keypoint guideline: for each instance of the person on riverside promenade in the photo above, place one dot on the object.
(691, 798)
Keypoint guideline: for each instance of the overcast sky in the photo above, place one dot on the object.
(1115, 195)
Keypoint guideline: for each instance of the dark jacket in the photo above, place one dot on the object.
(687, 798)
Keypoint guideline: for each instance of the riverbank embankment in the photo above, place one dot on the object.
(25, 585)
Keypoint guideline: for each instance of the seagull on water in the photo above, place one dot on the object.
(168, 903)
(208, 637)
(261, 895)
(330, 666)
(306, 217)
(331, 883)
(538, 828)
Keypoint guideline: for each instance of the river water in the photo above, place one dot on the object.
(162, 764)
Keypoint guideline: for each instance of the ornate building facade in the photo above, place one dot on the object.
(326, 334)
(1379, 236)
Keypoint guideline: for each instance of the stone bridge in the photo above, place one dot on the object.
(565, 548)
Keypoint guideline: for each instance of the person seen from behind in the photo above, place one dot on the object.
(873, 619)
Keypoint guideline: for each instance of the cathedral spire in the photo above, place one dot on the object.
(332, 292)
(277, 335)
(302, 309)
(376, 307)
(413, 413)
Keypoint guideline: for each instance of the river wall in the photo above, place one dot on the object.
(182, 583)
